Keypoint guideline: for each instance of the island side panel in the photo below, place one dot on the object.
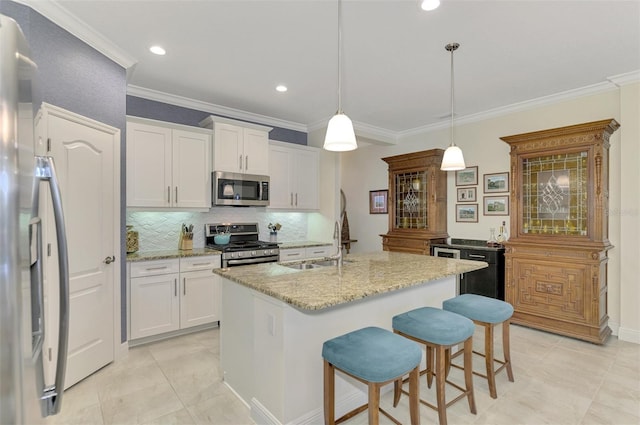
(286, 368)
(236, 338)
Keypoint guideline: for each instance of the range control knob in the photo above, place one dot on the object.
(240, 254)
(253, 253)
(266, 252)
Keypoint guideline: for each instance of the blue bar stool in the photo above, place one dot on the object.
(438, 330)
(375, 357)
(486, 312)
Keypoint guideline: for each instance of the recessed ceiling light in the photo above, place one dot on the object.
(281, 88)
(157, 50)
(430, 4)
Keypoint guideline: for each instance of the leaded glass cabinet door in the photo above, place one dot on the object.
(411, 200)
(555, 194)
(417, 202)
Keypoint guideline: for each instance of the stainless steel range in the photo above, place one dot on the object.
(243, 247)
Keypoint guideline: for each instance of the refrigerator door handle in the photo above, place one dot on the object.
(45, 171)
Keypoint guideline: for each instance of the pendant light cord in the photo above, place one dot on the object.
(339, 56)
(453, 48)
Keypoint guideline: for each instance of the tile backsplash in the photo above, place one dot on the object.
(158, 231)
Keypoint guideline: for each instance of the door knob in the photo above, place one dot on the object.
(110, 260)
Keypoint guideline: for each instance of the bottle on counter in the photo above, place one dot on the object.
(502, 234)
(492, 237)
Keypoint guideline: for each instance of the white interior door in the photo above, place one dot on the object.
(84, 159)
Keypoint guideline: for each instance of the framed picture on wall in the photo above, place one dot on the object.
(378, 201)
(467, 213)
(466, 194)
(467, 177)
(496, 205)
(498, 182)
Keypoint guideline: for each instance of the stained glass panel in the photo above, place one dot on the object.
(555, 194)
(411, 200)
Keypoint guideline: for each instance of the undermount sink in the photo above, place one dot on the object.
(302, 266)
(314, 264)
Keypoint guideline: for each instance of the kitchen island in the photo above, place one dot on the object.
(275, 319)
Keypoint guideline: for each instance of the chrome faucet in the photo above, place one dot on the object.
(337, 236)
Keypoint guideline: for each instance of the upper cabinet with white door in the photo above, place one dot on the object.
(167, 165)
(294, 172)
(239, 147)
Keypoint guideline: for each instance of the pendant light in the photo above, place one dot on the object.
(452, 159)
(340, 135)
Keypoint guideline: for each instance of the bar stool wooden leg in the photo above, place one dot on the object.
(429, 356)
(488, 359)
(468, 373)
(414, 395)
(329, 394)
(440, 381)
(505, 348)
(374, 403)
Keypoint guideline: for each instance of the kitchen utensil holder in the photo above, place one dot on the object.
(186, 241)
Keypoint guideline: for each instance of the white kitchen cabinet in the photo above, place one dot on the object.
(239, 147)
(319, 251)
(304, 253)
(167, 165)
(294, 172)
(169, 295)
(155, 304)
(200, 298)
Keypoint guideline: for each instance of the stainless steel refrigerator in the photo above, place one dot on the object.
(25, 397)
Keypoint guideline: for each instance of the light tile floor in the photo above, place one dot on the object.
(558, 380)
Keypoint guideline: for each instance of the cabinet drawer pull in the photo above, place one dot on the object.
(175, 287)
(156, 268)
(240, 166)
(184, 286)
(246, 162)
(200, 264)
(477, 256)
(168, 194)
(176, 195)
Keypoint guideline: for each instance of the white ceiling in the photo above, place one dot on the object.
(396, 72)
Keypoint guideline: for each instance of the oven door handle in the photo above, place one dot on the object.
(270, 259)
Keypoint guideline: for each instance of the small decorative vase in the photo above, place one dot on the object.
(273, 237)
(132, 240)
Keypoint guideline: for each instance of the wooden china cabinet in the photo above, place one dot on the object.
(556, 258)
(417, 202)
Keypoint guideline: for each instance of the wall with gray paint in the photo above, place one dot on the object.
(76, 77)
(152, 109)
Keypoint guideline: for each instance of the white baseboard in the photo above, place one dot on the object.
(121, 351)
(262, 416)
(629, 335)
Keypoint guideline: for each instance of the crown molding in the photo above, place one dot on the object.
(625, 79)
(593, 89)
(223, 111)
(60, 16)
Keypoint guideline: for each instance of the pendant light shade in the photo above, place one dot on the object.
(453, 160)
(340, 136)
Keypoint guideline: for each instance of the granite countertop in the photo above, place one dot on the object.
(301, 244)
(172, 253)
(362, 275)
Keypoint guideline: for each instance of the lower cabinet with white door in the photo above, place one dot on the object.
(170, 295)
(306, 253)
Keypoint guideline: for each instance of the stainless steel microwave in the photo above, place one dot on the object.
(239, 190)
